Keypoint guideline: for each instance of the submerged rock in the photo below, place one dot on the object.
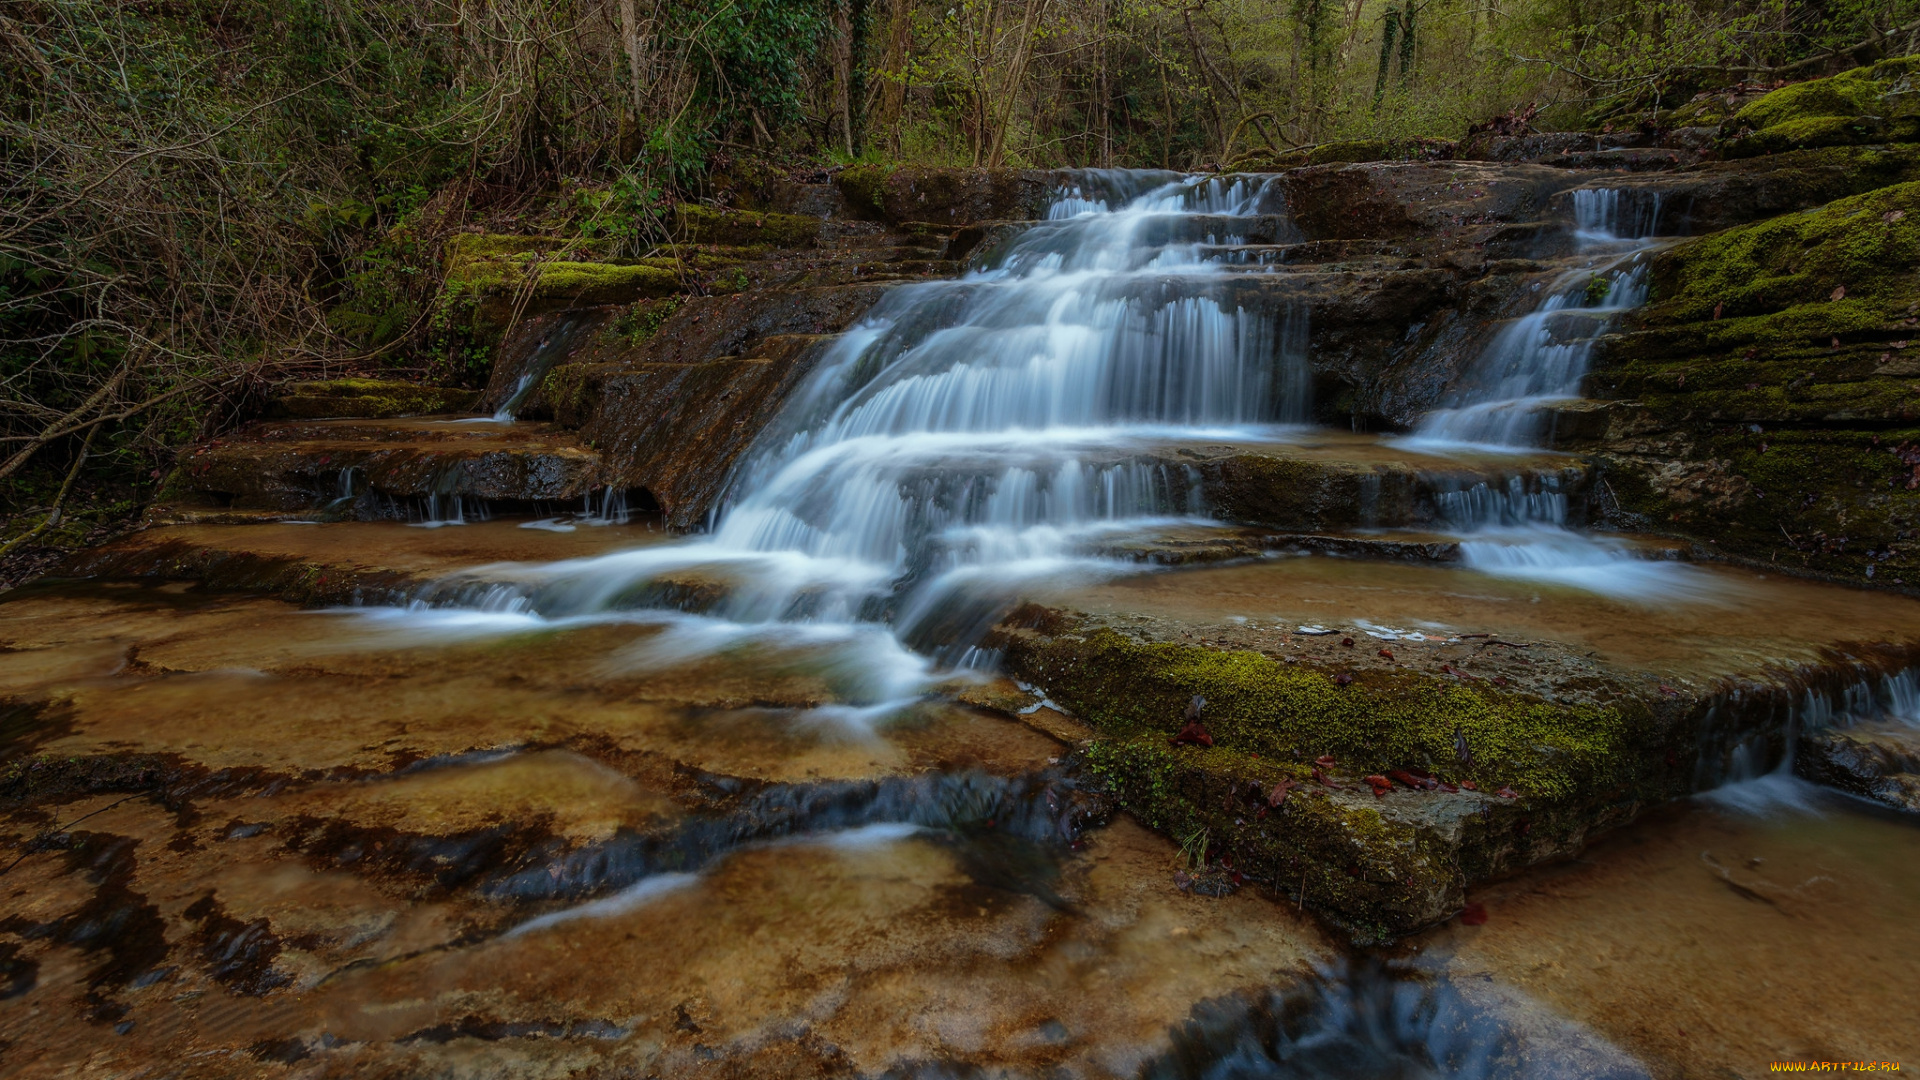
(1878, 762)
(1366, 1018)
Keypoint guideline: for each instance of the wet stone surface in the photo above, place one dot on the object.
(1025, 709)
(271, 839)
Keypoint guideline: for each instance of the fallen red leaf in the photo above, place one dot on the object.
(1381, 785)
(1325, 761)
(1194, 734)
(1470, 785)
(1279, 793)
(1388, 653)
(1507, 792)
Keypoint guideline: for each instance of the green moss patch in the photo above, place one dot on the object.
(1850, 93)
(1781, 361)
(588, 284)
(704, 225)
(1380, 866)
(366, 399)
(1868, 104)
(1290, 713)
(1870, 244)
(482, 265)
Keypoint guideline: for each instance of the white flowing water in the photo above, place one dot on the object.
(966, 437)
(1749, 779)
(1540, 358)
(1506, 401)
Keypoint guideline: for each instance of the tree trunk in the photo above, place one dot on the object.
(630, 36)
(1016, 74)
(1389, 26)
(843, 70)
(893, 88)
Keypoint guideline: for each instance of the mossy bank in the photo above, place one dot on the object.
(1774, 401)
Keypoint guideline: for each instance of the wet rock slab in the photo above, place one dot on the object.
(1379, 736)
(1879, 762)
(254, 835)
(364, 467)
(343, 562)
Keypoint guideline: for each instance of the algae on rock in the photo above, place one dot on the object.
(1778, 418)
(1865, 105)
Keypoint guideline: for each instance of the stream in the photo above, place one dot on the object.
(582, 797)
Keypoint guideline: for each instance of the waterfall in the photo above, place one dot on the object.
(1504, 403)
(504, 414)
(1750, 777)
(971, 435)
(1542, 357)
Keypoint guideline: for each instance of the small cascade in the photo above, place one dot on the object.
(608, 506)
(514, 379)
(1533, 362)
(971, 435)
(1542, 357)
(1612, 216)
(504, 414)
(1755, 774)
(605, 506)
(1522, 530)
(438, 509)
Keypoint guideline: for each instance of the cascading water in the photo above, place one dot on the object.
(970, 435)
(1755, 774)
(1532, 363)
(1542, 357)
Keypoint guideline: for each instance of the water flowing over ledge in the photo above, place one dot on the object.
(971, 435)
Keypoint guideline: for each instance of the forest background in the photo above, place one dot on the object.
(199, 198)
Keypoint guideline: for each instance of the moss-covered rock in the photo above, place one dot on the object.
(1865, 105)
(1707, 109)
(1810, 132)
(493, 265)
(1720, 194)
(491, 277)
(366, 399)
(463, 249)
(1380, 865)
(1294, 712)
(1775, 370)
(705, 225)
